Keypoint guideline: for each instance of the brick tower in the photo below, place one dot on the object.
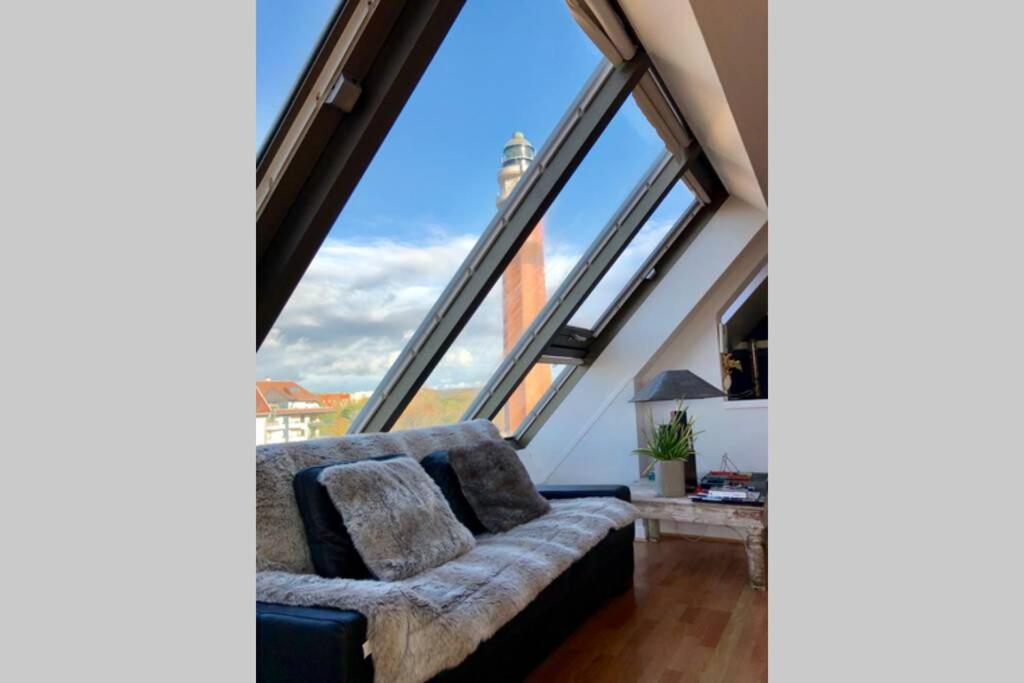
(524, 290)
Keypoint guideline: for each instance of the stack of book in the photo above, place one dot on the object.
(733, 488)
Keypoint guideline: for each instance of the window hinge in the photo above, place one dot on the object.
(343, 94)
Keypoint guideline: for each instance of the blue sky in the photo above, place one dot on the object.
(504, 67)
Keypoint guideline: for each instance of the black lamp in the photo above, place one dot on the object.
(679, 385)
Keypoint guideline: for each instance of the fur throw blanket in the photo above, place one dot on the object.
(280, 537)
(430, 622)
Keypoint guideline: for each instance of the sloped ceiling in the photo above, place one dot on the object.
(713, 57)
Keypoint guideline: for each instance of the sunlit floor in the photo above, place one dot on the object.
(690, 617)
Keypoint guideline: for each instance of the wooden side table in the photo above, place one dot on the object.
(749, 521)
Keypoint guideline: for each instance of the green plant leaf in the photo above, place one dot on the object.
(673, 440)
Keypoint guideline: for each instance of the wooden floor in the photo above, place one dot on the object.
(691, 617)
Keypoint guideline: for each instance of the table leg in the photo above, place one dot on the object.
(652, 530)
(757, 559)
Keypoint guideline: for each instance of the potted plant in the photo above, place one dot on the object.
(669, 445)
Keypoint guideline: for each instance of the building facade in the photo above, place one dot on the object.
(287, 412)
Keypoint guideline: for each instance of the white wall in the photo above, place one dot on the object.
(590, 436)
(739, 428)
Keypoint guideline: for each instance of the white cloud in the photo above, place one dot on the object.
(476, 352)
(360, 302)
(559, 259)
(355, 308)
(461, 357)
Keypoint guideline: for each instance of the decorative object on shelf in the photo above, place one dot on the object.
(729, 486)
(669, 445)
(727, 464)
(679, 385)
(728, 365)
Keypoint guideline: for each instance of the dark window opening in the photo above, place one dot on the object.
(744, 335)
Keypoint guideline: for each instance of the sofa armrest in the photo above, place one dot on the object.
(560, 491)
(310, 644)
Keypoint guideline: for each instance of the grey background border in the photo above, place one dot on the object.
(127, 284)
(128, 309)
(895, 253)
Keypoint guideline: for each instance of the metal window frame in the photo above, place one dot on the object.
(365, 67)
(569, 345)
(361, 75)
(561, 154)
(603, 252)
(626, 304)
(337, 40)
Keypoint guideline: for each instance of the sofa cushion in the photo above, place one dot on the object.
(330, 545)
(440, 470)
(496, 484)
(396, 516)
(280, 538)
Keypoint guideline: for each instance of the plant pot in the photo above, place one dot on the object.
(670, 478)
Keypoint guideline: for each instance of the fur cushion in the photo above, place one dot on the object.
(330, 545)
(440, 470)
(280, 538)
(397, 518)
(496, 484)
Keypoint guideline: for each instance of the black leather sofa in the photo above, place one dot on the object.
(317, 645)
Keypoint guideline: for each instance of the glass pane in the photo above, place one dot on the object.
(466, 365)
(287, 32)
(619, 159)
(672, 207)
(526, 396)
(425, 199)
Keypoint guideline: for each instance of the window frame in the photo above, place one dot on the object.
(363, 71)
(629, 300)
(559, 156)
(602, 253)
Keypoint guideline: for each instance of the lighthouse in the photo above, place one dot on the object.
(524, 290)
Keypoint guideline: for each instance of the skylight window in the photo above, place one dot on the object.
(287, 33)
(426, 197)
(679, 199)
(600, 184)
(527, 395)
(444, 188)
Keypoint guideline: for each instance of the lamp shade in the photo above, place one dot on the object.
(672, 385)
